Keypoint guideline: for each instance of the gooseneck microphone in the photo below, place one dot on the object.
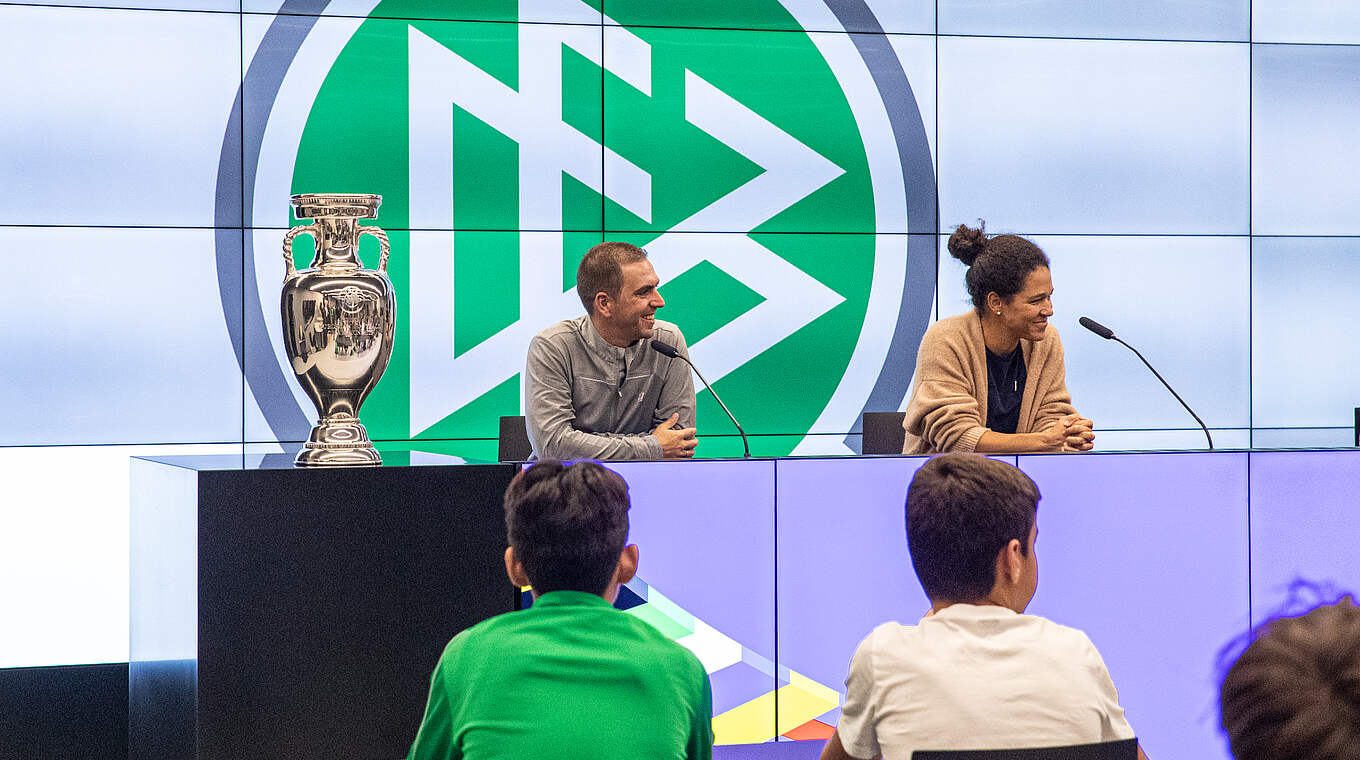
(1108, 334)
(666, 349)
(1099, 329)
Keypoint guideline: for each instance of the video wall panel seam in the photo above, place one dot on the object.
(1251, 614)
(774, 518)
(241, 162)
(1155, 40)
(604, 121)
(716, 231)
(939, 221)
(1251, 314)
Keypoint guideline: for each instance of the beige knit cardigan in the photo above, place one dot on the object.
(948, 406)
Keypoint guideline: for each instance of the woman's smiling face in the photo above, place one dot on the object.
(1025, 314)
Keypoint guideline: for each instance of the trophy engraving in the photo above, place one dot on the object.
(338, 324)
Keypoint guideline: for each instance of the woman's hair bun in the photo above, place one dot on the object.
(967, 243)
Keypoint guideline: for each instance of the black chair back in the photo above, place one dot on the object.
(1124, 749)
(883, 433)
(514, 440)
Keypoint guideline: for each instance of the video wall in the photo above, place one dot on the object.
(793, 167)
(1164, 560)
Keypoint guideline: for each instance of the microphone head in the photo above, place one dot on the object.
(664, 349)
(1096, 327)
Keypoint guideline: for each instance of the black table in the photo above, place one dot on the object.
(287, 613)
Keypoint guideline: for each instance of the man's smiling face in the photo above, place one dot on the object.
(632, 316)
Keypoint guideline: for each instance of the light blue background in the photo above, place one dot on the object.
(1322, 21)
(1304, 148)
(1093, 136)
(113, 117)
(120, 338)
(1129, 19)
(1303, 361)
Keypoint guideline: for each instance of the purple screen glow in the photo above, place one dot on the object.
(784, 566)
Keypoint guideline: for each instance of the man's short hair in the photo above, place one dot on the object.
(1294, 694)
(962, 509)
(567, 523)
(601, 271)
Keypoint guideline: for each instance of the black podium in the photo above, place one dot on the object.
(287, 613)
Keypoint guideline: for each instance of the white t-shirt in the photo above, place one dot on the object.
(977, 677)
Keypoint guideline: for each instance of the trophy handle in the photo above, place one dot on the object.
(382, 240)
(309, 229)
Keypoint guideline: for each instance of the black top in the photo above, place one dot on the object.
(1005, 386)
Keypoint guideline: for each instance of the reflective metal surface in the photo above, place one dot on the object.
(338, 324)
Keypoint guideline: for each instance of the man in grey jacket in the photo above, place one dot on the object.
(594, 388)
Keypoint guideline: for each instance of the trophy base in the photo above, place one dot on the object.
(339, 441)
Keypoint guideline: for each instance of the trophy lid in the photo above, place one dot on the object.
(322, 205)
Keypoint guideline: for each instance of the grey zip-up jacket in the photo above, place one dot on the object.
(587, 399)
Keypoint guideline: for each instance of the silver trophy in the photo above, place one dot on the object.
(338, 323)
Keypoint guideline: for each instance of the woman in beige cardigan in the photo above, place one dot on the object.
(992, 380)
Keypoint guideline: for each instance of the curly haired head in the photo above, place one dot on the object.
(997, 264)
(1294, 694)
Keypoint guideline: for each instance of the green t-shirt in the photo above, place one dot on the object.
(571, 677)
